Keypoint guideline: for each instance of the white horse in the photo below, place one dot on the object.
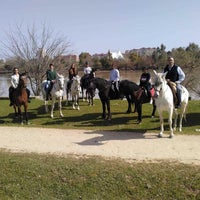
(164, 102)
(74, 91)
(56, 93)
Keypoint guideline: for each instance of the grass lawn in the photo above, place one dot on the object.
(29, 176)
(32, 176)
(89, 117)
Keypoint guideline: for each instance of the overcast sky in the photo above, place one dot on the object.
(95, 26)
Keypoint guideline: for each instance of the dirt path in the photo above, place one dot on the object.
(126, 145)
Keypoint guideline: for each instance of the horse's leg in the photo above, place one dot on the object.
(67, 98)
(52, 106)
(82, 90)
(175, 118)
(108, 109)
(129, 110)
(104, 109)
(15, 109)
(46, 106)
(182, 114)
(170, 122)
(78, 108)
(26, 114)
(161, 123)
(154, 109)
(60, 106)
(73, 102)
(138, 107)
(20, 115)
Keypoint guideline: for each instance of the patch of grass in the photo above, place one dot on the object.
(29, 176)
(89, 117)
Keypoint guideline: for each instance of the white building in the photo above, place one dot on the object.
(116, 55)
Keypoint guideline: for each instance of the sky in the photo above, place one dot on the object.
(96, 26)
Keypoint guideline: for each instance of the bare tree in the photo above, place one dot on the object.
(34, 49)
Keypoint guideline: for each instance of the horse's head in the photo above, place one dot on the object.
(76, 82)
(23, 81)
(60, 80)
(91, 88)
(159, 82)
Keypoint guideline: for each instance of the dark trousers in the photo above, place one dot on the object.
(48, 92)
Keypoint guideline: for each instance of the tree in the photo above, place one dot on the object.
(83, 57)
(33, 50)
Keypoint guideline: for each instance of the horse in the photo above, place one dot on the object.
(85, 80)
(106, 93)
(56, 93)
(139, 97)
(75, 91)
(164, 102)
(20, 98)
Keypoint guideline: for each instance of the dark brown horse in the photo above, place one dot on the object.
(20, 98)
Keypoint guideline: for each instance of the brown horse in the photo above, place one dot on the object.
(20, 98)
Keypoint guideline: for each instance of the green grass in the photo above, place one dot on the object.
(29, 176)
(32, 176)
(89, 117)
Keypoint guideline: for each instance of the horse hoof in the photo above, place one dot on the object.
(27, 123)
(62, 115)
(171, 136)
(160, 135)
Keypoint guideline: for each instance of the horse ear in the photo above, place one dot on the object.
(58, 74)
(164, 74)
(155, 72)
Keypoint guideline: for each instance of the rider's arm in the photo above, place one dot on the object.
(181, 75)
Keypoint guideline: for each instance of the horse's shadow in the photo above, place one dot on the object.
(105, 136)
(192, 119)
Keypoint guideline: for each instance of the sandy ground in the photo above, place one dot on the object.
(125, 145)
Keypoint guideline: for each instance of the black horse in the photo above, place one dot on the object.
(85, 81)
(140, 96)
(127, 89)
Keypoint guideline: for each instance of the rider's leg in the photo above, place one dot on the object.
(178, 87)
(11, 89)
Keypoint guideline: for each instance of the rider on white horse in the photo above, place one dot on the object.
(51, 77)
(176, 75)
(72, 73)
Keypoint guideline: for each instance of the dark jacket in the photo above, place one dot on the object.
(172, 74)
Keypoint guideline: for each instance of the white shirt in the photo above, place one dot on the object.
(15, 80)
(114, 75)
(87, 70)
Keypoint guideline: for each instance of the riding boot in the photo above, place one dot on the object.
(11, 96)
(178, 105)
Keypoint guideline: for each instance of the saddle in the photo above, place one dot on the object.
(139, 92)
(172, 86)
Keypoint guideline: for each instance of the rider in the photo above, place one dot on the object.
(88, 74)
(51, 78)
(87, 69)
(176, 75)
(115, 77)
(145, 81)
(72, 73)
(14, 84)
